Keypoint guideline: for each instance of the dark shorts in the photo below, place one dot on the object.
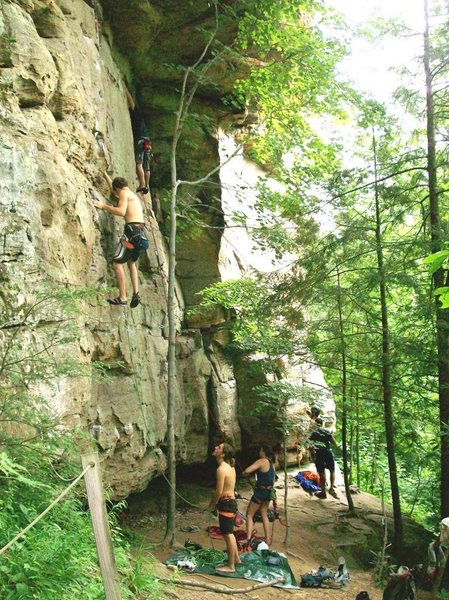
(227, 509)
(260, 496)
(142, 156)
(123, 253)
(324, 459)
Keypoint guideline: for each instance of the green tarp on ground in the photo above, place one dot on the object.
(262, 566)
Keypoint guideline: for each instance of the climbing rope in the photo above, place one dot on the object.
(70, 479)
(182, 497)
(49, 507)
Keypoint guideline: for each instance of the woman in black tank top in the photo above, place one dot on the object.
(265, 476)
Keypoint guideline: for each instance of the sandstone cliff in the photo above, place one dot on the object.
(63, 116)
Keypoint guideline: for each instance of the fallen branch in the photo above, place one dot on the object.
(213, 580)
(220, 589)
(296, 556)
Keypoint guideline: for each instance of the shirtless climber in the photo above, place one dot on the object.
(142, 144)
(224, 498)
(133, 241)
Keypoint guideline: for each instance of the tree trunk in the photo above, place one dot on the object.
(171, 352)
(171, 357)
(357, 437)
(386, 359)
(185, 101)
(285, 491)
(442, 315)
(351, 439)
(373, 462)
(343, 399)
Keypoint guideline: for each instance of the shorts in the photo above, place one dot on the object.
(142, 156)
(260, 496)
(227, 509)
(123, 254)
(324, 459)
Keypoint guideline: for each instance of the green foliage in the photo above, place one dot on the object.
(57, 558)
(277, 400)
(7, 42)
(292, 78)
(258, 325)
(348, 252)
(436, 261)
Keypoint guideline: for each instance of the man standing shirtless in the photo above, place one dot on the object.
(224, 498)
(133, 241)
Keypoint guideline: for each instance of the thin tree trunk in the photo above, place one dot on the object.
(417, 492)
(343, 399)
(442, 315)
(386, 387)
(382, 560)
(285, 491)
(351, 439)
(373, 462)
(171, 299)
(357, 436)
(171, 355)
(185, 101)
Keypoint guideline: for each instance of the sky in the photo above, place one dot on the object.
(370, 63)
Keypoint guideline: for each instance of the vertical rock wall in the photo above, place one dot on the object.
(61, 95)
(240, 255)
(63, 118)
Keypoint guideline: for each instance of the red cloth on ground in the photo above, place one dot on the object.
(215, 533)
(240, 536)
(311, 476)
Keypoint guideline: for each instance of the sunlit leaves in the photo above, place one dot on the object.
(292, 74)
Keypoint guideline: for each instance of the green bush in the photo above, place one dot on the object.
(57, 558)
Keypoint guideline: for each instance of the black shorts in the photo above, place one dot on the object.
(141, 155)
(227, 509)
(260, 496)
(324, 459)
(123, 254)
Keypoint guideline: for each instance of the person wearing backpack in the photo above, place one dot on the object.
(133, 241)
(320, 441)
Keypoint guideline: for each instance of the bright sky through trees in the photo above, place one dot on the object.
(371, 62)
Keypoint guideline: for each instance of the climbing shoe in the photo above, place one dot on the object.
(117, 302)
(143, 190)
(321, 495)
(135, 300)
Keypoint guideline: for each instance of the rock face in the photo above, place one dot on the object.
(63, 117)
(62, 94)
(238, 255)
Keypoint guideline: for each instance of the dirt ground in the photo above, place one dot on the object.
(320, 532)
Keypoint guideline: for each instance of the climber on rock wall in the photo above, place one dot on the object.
(133, 241)
(142, 144)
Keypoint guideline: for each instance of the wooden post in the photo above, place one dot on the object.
(100, 526)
